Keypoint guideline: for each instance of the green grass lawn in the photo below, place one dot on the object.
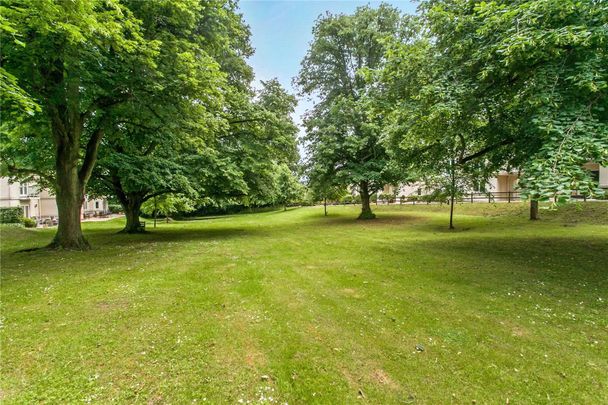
(299, 308)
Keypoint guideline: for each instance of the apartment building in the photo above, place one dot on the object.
(503, 186)
(39, 203)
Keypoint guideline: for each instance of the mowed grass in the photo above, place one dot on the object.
(299, 308)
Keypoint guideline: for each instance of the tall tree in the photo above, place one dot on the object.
(342, 133)
(164, 142)
(289, 189)
(81, 59)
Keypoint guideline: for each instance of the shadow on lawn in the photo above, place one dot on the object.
(177, 235)
(503, 262)
(100, 239)
(381, 220)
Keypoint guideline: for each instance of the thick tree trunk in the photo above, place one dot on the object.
(533, 210)
(131, 205)
(366, 209)
(69, 204)
(69, 196)
(132, 211)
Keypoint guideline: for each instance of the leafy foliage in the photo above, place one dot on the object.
(342, 131)
(472, 90)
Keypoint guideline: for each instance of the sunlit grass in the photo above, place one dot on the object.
(300, 308)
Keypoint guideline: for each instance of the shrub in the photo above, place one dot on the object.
(390, 198)
(11, 215)
(115, 208)
(28, 222)
(347, 199)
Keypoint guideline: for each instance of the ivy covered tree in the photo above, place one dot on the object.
(342, 131)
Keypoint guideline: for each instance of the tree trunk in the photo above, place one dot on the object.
(325, 205)
(533, 210)
(131, 205)
(69, 197)
(69, 205)
(366, 209)
(452, 193)
(132, 211)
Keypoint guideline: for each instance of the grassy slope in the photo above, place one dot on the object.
(329, 309)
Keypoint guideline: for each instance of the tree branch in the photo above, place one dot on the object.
(90, 157)
(105, 102)
(12, 169)
(485, 150)
(146, 198)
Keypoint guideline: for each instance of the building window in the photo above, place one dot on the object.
(480, 186)
(22, 188)
(26, 211)
(96, 205)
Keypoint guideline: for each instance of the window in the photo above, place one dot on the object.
(26, 211)
(22, 188)
(479, 186)
(96, 205)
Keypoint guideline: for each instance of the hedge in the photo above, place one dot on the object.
(11, 215)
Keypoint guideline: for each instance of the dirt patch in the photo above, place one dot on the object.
(381, 377)
(518, 331)
(157, 399)
(254, 358)
(351, 292)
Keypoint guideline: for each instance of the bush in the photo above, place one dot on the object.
(115, 208)
(390, 198)
(347, 199)
(28, 222)
(11, 215)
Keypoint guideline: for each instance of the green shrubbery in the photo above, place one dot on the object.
(115, 208)
(28, 222)
(351, 199)
(11, 215)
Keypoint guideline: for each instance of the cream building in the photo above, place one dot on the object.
(503, 186)
(39, 203)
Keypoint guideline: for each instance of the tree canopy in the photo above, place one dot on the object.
(342, 132)
(503, 84)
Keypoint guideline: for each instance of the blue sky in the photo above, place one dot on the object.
(282, 30)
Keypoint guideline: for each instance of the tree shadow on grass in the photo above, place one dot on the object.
(100, 239)
(182, 235)
(495, 262)
(381, 220)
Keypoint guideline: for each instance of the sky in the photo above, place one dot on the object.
(281, 31)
